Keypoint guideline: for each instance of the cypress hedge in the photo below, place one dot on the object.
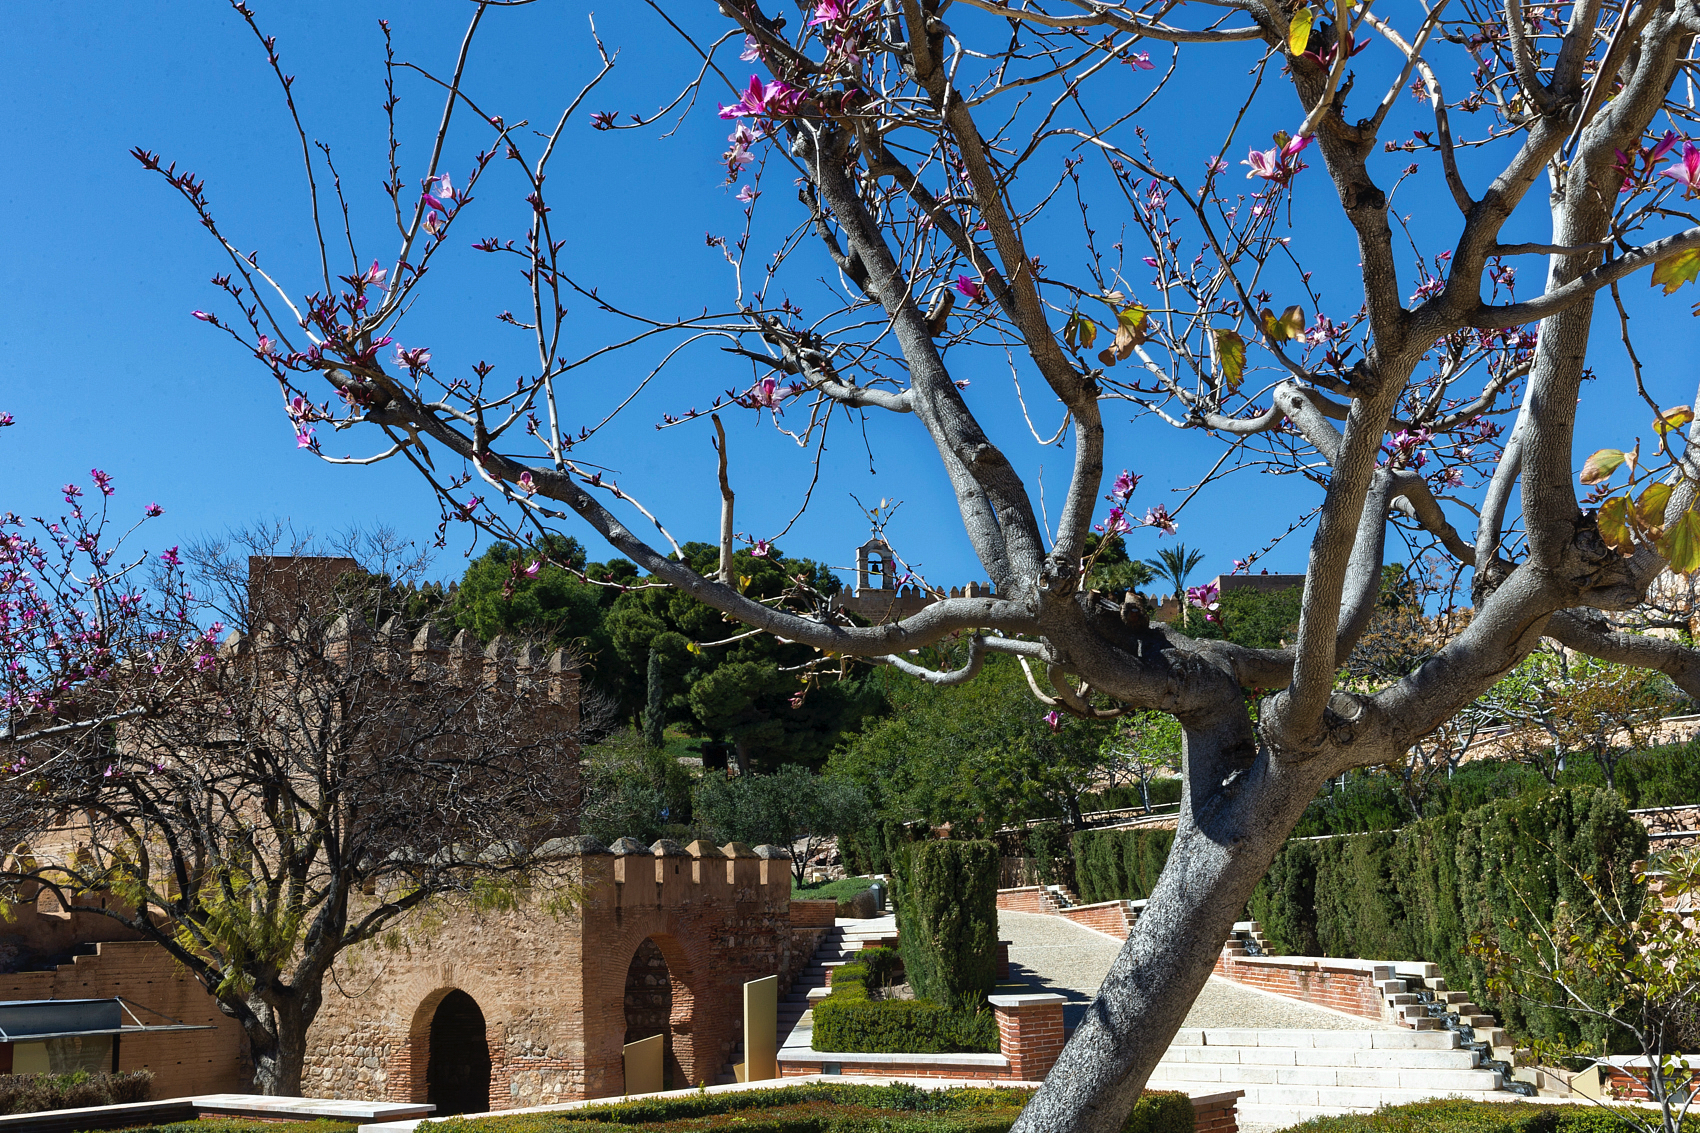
(1123, 865)
(1422, 891)
(947, 921)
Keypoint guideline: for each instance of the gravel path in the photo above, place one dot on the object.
(1057, 955)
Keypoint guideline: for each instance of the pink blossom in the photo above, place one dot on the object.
(304, 438)
(265, 346)
(101, 481)
(375, 275)
(531, 571)
(1277, 164)
(205, 317)
(1215, 165)
(1139, 61)
(970, 289)
(751, 52)
(154, 511)
(204, 662)
(828, 11)
(1053, 718)
(765, 394)
(1150, 261)
(526, 484)
(1202, 597)
(602, 120)
(1687, 170)
(760, 549)
(445, 189)
(1125, 483)
(1239, 565)
(415, 359)
(169, 558)
(71, 493)
(7, 419)
(1160, 518)
(1116, 523)
(761, 100)
(748, 194)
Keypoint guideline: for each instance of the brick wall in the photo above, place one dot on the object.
(1111, 917)
(1024, 899)
(553, 989)
(1344, 989)
(183, 1062)
(813, 914)
(1217, 1113)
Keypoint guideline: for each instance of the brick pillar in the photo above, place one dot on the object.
(1030, 1033)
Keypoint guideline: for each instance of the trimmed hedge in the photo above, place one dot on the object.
(1421, 892)
(1450, 1115)
(32, 1093)
(850, 1022)
(947, 921)
(819, 1108)
(1112, 865)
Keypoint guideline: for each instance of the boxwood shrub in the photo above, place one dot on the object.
(32, 1093)
(1453, 1115)
(818, 1108)
(849, 1021)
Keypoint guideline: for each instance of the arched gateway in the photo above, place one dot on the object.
(553, 991)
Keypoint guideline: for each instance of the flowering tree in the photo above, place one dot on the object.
(940, 225)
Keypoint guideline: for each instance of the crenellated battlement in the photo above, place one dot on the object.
(667, 874)
(423, 656)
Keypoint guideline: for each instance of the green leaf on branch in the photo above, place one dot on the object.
(1230, 357)
(1678, 270)
(1601, 465)
(1650, 508)
(1681, 544)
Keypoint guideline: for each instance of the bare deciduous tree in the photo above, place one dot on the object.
(292, 794)
(935, 163)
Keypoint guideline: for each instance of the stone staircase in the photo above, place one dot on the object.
(1417, 997)
(837, 947)
(1055, 898)
(1291, 1076)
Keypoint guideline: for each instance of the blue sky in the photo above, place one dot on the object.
(102, 365)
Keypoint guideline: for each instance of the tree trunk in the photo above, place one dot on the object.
(1234, 819)
(277, 1042)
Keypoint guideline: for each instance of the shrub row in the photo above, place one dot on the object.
(32, 1093)
(947, 921)
(821, 1108)
(1375, 800)
(1452, 1115)
(1112, 865)
(248, 1125)
(1422, 891)
(851, 1022)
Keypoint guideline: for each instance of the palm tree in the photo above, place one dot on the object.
(1176, 563)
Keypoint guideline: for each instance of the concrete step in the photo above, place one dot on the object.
(1284, 1114)
(1440, 1080)
(1421, 1061)
(1299, 1037)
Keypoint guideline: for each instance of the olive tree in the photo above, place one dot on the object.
(929, 183)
